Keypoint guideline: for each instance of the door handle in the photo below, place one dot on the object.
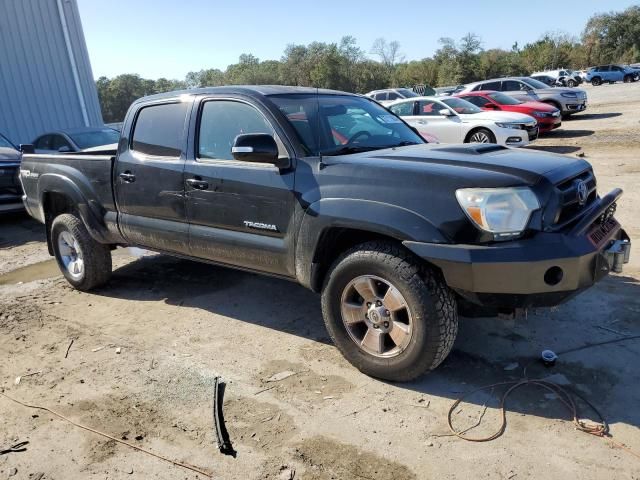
(197, 183)
(128, 177)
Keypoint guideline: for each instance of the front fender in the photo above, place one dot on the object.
(365, 215)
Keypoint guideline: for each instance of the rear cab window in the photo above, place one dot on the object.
(159, 128)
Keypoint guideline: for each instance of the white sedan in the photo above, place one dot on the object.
(453, 120)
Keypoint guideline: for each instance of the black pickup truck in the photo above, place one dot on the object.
(335, 192)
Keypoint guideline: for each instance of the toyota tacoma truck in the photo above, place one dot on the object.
(335, 192)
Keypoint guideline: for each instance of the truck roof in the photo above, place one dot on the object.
(246, 89)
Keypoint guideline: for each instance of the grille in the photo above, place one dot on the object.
(570, 207)
(599, 233)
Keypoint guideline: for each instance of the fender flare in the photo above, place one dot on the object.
(380, 218)
(89, 209)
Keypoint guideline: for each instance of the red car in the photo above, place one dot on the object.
(548, 117)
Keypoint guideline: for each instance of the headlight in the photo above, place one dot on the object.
(515, 126)
(504, 212)
(569, 95)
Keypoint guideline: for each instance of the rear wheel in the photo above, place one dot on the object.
(571, 83)
(595, 81)
(481, 135)
(389, 316)
(85, 263)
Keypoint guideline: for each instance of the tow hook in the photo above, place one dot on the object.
(618, 254)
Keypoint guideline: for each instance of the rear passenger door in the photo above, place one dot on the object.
(148, 176)
(240, 212)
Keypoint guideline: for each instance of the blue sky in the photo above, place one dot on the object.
(168, 38)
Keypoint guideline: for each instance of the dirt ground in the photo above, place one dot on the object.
(178, 324)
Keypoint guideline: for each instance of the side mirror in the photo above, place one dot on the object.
(64, 149)
(445, 112)
(27, 148)
(257, 147)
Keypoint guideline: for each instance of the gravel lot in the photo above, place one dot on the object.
(179, 324)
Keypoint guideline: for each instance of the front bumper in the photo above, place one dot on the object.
(511, 137)
(574, 106)
(544, 270)
(548, 124)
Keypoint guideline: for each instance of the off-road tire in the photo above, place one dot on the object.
(96, 256)
(432, 305)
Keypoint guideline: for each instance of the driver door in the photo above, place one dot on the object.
(432, 125)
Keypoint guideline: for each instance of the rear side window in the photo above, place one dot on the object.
(43, 143)
(488, 86)
(380, 96)
(393, 96)
(158, 129)
(403, 109)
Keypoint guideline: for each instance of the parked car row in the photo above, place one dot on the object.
(611, 74)
(10, 189)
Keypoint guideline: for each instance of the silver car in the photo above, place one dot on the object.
(567, 100)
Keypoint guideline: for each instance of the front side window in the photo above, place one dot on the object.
(459, 105)
(58, 142)
(403, 109)
(342, 124)
(159, 128)
(222, 121)
(393, 96)
(476, 100)
(43, 143)
(380, 96)
(429, 108)
(502, 99)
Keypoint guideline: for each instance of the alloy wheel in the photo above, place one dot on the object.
(376, 316)
(71, 255)
(480, 137)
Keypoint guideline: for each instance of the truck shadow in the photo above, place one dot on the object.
(487, 350)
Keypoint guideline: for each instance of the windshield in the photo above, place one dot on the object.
(95, 138)
(341, 124)
(406, 93)
(4, 143)
(461, 106)
(533, 83)
(503, 99)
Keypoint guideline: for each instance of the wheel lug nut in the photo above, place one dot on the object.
(378, 303)
(368, 304)
(386, 312)
(386, 324)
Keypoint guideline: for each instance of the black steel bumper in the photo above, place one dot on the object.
(544, 270)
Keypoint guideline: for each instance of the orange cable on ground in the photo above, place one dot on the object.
(135, 447)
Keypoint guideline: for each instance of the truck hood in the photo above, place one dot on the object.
(476, 164)
(490, 116)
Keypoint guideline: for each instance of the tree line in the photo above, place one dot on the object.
(607, 38)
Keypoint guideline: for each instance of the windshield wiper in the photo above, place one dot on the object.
(347, 149)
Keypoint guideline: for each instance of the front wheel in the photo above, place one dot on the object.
(481, 135)
(628, 79)
(596, 81)
(571, 83)
(391, 317)
(85, 263)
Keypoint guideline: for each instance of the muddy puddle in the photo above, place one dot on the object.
(49, 268)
